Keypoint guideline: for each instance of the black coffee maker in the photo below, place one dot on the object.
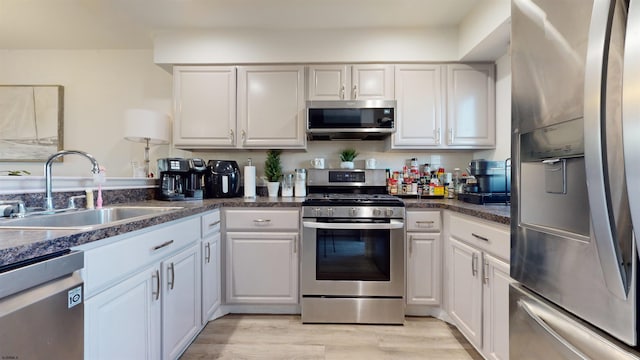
(174, 176)
(195, 180)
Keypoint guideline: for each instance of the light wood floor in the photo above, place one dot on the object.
(285, 337)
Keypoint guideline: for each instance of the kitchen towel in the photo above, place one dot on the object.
(250, 181)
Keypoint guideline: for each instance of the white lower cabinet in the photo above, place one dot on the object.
(496, 302)
(423, 258)
(478, 282)
(143, 293)
(211, 284)
(465, 286)
(262, 256)
(262, 268)
(123, 322)
(181, 319)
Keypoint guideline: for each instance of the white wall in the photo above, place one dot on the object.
(241, 46)
(484, 33)
(503, 113)
(98, 86)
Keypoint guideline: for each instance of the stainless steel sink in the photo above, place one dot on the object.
(86, 219)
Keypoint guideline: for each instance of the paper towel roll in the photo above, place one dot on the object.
(249, 181)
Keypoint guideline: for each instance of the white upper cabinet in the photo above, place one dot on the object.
(252, 107)
(329, 82)
(419, 112)
(471, 102)
(444, 106)
(350, 82)
(263, 107)
(271, 106)
(204, 106)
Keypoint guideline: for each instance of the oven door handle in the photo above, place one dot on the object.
(394, 224)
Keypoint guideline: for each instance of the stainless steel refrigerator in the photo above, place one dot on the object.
(576, 179)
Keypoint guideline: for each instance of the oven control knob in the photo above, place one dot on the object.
(317, 211)
(353, 211)
(377, 212)
(388, 212)
(330, 212)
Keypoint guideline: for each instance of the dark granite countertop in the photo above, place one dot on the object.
(18, 245)
(496, 213)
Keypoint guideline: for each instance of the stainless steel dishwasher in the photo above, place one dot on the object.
(41, 308)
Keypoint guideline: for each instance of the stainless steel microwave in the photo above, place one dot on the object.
(346, 119)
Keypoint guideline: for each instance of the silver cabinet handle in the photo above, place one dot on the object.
(436, 135)
(262, 221)
(425, 223)
(231, 134)
(474, 264)
(485, 272)
(207, 253)
(410, 245)
(158, 247)
(171, 279)
(156, 293)
(450, 136)
(213, 224)
(479, 237)
(243, 135)
(342, 92)
(295, 244)
(355, 91)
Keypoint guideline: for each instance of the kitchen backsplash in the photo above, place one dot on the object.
(329, 150)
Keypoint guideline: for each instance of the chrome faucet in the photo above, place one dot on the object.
(48, 201)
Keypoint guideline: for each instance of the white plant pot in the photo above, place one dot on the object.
(346, 165)
(272, 188)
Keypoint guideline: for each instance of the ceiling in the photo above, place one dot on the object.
(131, 24)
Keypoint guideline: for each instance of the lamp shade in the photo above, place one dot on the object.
(142, 125)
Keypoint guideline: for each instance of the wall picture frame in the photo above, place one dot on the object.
(31, 122)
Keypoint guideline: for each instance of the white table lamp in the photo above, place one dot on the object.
(146, 126)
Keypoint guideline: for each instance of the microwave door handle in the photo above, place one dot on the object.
(594, 154)
(631, 112)
(394, 224)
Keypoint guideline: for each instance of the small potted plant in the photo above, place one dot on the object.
(273, 171)
(346, 158)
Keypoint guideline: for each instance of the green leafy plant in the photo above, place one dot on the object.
(273, 166)
(348, 154)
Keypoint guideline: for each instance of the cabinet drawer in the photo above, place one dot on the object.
(210, 223)
(108, 264)
(424, 221)
(262, 220)
(487, 236)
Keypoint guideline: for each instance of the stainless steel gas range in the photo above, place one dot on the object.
(352, 267)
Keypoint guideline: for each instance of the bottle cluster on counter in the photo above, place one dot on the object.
(424, 181)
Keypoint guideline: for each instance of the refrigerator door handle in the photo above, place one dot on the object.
(540, 322)
(594, 154)
(631, 112)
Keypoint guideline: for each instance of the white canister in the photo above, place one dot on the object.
(300, 189)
